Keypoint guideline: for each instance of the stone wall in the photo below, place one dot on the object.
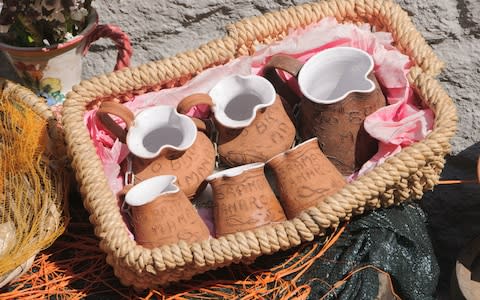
(160, 29)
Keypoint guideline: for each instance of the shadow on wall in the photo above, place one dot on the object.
(6, 69)
(453, 211)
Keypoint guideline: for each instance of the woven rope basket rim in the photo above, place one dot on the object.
(39, 106)
(404, 176)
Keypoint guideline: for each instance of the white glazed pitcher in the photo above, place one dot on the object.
(339, 91)
(163, 142)
(162, 215)
(249, 116)
(152, 132)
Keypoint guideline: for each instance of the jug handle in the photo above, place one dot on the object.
(287, 64)
(188, 102)
(195, 99)
(120, 111)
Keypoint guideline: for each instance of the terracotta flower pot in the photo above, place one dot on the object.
(243, 199)
(52, 71)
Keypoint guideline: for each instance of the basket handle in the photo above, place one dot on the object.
(121, 40)
(119, 110)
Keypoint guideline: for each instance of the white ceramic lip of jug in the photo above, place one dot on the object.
(156, 117)
(328, 65)
(232, 172)
(289, 151)
(230, 87)
(148, 190)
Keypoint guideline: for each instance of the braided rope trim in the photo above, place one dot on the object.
(402, 177)
(385, 15)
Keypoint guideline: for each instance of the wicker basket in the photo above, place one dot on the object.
(52, 215)
(402, 177)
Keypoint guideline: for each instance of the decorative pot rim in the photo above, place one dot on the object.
(291, 150)
(324, 55)
(92, 22)
(150, 189)
(235, 171)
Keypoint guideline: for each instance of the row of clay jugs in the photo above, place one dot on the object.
(249, 117)
(163, 142)
(339, 91)
(244, 200)
(161, 214)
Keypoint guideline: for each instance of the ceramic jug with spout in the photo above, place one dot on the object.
(250, 119)
(161, 214)
(339, 90)
(243, 199)
(163, 142)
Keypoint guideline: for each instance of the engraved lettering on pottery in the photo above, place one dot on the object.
(155, 166)
(347, 137)
(327, 118)
(270, 133)
(245, 157)
(279, 135)
(197, 176)
(261, 127)
(355, 117)
(247, 202)
(233, 217)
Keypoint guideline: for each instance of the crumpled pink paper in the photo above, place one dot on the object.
(395, 126)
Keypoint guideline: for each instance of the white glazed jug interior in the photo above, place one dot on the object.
(329, 76)
(149, 189)
(237, 99)
(160, 127)
(232, 172)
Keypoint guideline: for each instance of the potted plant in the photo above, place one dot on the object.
(46, 39)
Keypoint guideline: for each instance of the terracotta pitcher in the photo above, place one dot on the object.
(304, 177)
(162, 215)
(243, 199)
(249, 116)
(339, 91)
(163, 142)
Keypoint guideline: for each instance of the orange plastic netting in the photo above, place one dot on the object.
(31, 192)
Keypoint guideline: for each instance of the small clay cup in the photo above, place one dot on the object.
(304, 177)
(339, 91)
(250, 119)
(162, 214)
(163, 142)
(243, 199)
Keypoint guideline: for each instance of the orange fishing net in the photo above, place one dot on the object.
(31, 192)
